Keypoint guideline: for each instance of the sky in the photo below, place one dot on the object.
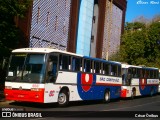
(146, 8)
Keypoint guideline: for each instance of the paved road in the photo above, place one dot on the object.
(95, 108)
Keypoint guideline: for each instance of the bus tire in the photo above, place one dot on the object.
(152, 92)
(106, 98)
(133, 94)
(63, 98)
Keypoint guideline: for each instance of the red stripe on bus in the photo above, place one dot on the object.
(23, 95)
(152, 84)
(108, 84)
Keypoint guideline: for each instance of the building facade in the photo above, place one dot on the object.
(88, 27)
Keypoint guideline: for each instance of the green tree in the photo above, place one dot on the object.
(153, 44)
(10, 35)
(140, 44)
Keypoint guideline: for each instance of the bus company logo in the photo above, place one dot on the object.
(142, 83)
(86, 81)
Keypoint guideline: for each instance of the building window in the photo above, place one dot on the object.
(47, 18)
(76, 64)
(57, 2)
(64, 30)
(38, 15)
(64, 62)
(65, 4)
(56, 23)
(64, 27)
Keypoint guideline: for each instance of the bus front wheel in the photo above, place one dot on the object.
(63, 98)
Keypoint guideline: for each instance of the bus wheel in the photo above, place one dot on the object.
(106, 98)
(133, 94)
(152, 92)
(63, 98)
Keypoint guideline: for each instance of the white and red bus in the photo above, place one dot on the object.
(47, 75)
(139, 81)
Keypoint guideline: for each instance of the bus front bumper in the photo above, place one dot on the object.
(24, 95)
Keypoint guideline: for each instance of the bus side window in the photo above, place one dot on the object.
(64, 62)
(92, 66)
(73, 63)
(97, 67)
(141, 73)
(155, 74)
(146, 75)
(101, 68)
(138, 72)
(106, 68)
(119, 70)
(130, 75)
(60, 62)
(69, 62)
(87, 65)
(133, 72)
(114, 70)
(52, 67)
(150, 73)
(65, 65)
(81, 65)
(76, 64)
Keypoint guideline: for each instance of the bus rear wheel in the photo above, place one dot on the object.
(63, 98)
(106, 98)
(152, 92)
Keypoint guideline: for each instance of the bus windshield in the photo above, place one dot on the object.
(26, 68)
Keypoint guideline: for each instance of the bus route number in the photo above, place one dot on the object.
(51, 93)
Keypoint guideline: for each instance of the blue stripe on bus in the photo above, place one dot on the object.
(147, 89)
(96, 92)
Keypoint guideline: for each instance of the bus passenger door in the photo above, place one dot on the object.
(129, 76)
(50, 88)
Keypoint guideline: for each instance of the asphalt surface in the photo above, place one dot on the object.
(121, 109)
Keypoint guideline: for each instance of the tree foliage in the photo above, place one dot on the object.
(140, 44)
(10, 35)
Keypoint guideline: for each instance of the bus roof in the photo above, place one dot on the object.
(127, 66)
(101, 60)
(49, 50)
(149, 68)
(42, 50)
